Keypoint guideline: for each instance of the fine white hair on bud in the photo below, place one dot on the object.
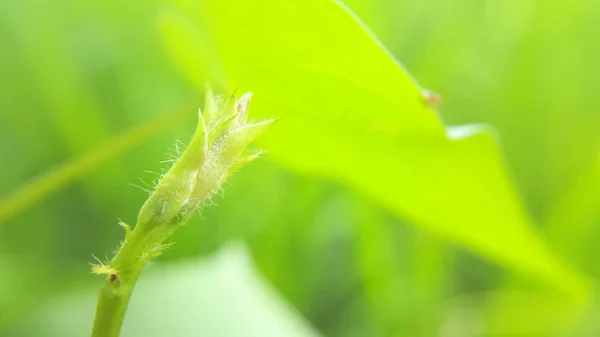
(217, 149)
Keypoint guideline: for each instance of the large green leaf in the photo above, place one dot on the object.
(219, 297)
(349, 111)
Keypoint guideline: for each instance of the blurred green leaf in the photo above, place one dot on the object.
(178, 29)
(218, 297)
(392, 282)
(516, 313)
(350, 112)
(572, 226)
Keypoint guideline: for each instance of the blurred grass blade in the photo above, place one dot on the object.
(52, 180)
(352, 113)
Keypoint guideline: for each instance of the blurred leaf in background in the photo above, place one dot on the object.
(358, 215)
(387, 144)
(195, 298)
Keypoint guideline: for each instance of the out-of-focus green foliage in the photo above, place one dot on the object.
(196, 298)
(352, 113)
(356, 160)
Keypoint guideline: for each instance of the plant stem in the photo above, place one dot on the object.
(112, 304)
(114, 296)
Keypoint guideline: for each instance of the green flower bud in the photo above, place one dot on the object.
(217, 149)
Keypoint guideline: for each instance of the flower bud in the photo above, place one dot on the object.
(217, 149)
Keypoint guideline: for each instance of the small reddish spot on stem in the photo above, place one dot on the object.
(112, 277)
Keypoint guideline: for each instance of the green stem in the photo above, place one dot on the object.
(54, 179)
(112, 304)
(114, 296)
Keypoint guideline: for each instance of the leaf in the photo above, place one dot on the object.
(518, 313)
(350, 112)
(571, 224)
(222, 296)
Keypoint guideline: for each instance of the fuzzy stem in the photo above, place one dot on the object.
(114, 296)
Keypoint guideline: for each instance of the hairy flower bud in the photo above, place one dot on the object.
(217, 149)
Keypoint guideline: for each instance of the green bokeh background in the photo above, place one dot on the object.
(74, 74)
